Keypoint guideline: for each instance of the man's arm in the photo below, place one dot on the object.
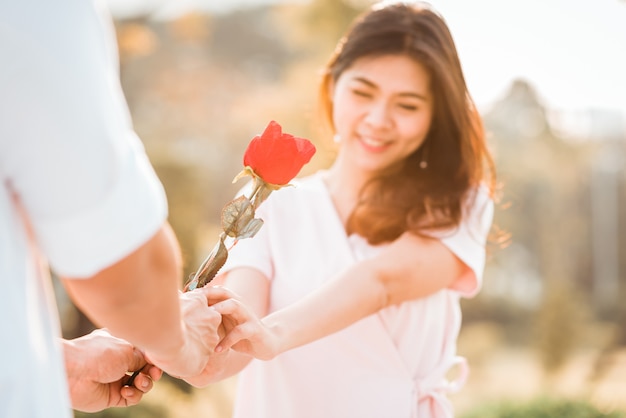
(138, 299)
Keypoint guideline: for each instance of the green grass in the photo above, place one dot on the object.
(542, 408)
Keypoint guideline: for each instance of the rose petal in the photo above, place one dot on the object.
(277, 157)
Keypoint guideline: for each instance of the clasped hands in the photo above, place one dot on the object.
(98, 364)
(237, 329)
(215, 320)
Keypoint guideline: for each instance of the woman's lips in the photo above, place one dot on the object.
(374, 144)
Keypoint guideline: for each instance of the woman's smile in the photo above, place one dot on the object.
(382, 111)
(374, 145)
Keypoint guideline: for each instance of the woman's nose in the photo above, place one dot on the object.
(378, 115)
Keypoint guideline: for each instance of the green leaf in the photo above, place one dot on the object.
(251, 228)
(212, 264)
(236, 215)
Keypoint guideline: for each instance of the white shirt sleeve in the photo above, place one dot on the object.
(468, 242)
(72, 155)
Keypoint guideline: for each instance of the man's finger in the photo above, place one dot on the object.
(131, 395)
(137, 361)
(153, 371)
(143, 383)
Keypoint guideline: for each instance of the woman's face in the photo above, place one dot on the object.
(382, 110)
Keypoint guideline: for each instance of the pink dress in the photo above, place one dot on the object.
(390, 364)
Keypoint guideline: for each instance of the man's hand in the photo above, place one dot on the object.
(200, 325)
(97, 366)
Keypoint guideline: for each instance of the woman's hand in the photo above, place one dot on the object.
(244, 331)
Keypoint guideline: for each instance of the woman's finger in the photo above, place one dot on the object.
(236, 310)
(241, 332)
(216, 294)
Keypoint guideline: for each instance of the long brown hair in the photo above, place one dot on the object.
(414, 198)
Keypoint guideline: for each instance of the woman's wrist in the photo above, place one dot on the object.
(277, 341)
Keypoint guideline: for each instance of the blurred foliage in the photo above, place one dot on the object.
(142, 410)
(182, 186)
(542, 408)
(559, 323)
(319, 26)
(512, 319)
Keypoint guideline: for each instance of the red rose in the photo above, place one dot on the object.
(272, 159)
(277, 157)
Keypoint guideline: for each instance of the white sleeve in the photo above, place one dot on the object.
(73, 157)
(468, 242)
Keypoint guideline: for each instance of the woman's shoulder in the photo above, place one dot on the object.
(478, 211)
(309, 181)
(481, 192)
(300, 188)
(478, 199)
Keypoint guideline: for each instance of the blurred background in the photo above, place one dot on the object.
(549, 76)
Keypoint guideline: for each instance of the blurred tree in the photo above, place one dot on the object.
(546, 189)
(546, 184)
(559, 324)
(181, 186)
(318, 25)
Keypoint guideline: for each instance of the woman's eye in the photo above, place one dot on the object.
(361, 93)
(409, 107)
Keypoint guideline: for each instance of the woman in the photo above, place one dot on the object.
(366, 262)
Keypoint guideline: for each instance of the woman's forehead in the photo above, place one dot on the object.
(397, 72)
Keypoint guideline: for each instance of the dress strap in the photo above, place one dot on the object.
(430, 391)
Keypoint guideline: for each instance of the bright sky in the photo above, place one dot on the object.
(572, 51)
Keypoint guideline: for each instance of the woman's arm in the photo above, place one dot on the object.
(411, 267)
